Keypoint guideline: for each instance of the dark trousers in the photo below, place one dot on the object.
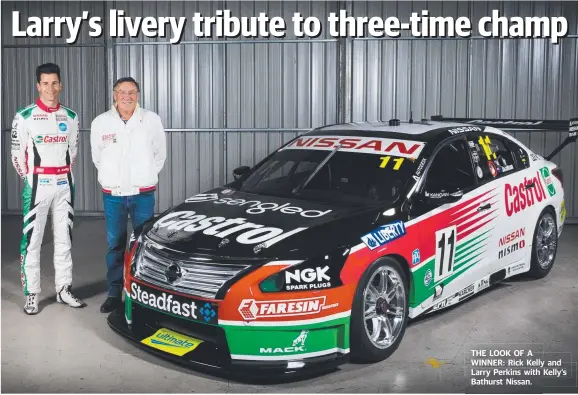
(116, 210)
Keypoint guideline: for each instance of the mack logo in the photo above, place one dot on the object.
(247, 232)
(364, 145)
(251, 309)
(292, 349)
(278, 350)
(522, 123)
(525, 194)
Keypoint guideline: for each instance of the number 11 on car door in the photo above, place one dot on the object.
(445, 253)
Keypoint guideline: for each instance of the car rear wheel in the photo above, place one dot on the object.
(545, 245)
(380, 311)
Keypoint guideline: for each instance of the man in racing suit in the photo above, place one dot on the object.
(44, 148)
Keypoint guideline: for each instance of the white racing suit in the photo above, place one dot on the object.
(44, 147)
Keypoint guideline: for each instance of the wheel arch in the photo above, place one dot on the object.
(405, 265)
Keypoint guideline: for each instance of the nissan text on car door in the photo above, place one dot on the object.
(323, 251)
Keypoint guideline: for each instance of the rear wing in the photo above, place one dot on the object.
(523, 124)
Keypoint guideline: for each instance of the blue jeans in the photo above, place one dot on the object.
(116, 211)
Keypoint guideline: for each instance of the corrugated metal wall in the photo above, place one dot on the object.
(231, 102)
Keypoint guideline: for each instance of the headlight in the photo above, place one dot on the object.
(320, 272)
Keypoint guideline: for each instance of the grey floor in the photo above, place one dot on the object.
(68, 350)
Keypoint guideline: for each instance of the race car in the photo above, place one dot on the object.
(326, 249)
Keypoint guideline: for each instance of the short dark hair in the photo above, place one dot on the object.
(126, 79)
(47, 68)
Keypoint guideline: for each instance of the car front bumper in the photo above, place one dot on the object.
(212, 355)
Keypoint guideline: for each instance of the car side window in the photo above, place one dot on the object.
(521, 155)
(451, 170)
(492, 156)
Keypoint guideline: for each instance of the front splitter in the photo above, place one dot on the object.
(208, 358)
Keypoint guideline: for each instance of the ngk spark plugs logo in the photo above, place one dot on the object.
(307, 279)
(251, 309)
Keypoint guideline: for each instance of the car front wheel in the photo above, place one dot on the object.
(380, 311)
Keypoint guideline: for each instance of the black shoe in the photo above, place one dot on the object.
(110, 304)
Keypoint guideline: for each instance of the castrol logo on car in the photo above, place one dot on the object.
(520, 196)
(362, 145)
(51, 139)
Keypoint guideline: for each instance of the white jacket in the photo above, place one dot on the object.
(128, 156)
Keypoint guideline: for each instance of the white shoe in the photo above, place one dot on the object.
(65, 296)
(31, 306)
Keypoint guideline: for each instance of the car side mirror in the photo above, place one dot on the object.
(240, 172)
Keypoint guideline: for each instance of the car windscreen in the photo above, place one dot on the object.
(347, 177)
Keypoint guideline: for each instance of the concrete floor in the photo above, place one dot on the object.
(69, 350)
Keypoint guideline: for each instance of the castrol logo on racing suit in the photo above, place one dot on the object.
(519, 197)
(51, 139)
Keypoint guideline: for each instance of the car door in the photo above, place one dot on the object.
(499, 167)
(456, 217)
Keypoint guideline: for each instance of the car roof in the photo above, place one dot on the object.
(424, 130)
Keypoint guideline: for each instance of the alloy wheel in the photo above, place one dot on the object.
(546, 241)
(384, 307)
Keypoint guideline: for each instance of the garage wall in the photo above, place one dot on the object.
(230, 102)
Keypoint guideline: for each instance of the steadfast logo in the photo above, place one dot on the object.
(251, 309)
(163, 302)
(525, 194)
(307, 279)
(189, 221)
(364, 145)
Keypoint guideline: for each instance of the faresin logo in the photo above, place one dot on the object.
(525, 194)
(251, 309)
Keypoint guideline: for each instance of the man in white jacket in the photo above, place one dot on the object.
(128, 146)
